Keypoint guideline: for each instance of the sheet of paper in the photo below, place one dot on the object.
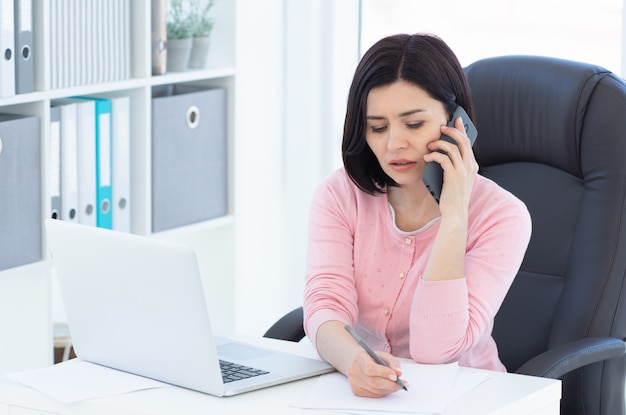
(430, 391)
(76, 380)
(464, 383)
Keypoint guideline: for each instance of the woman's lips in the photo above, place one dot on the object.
(401, 165)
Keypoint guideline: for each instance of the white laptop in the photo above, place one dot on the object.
(136, 304)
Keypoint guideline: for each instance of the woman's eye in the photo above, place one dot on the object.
(416, 124)
(378, 129)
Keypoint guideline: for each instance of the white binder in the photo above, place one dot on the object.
(120, 119)
(54, 163)
(69, 162)
(7, 48)
(54, 44)
(86, 160)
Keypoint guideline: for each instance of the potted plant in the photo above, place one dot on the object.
(179, 35)
(201, 27)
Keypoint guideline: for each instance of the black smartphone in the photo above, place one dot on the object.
(433, 173)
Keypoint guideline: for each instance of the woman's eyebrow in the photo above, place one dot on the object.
(402, 114)
(411, 112)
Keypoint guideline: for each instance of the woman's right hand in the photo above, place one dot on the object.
(367, 378)
(371, 380)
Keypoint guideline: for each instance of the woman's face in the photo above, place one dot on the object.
(401, 120)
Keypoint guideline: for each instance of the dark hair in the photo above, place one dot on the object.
(421, 59)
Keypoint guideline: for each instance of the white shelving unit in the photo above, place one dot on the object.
(27, 306)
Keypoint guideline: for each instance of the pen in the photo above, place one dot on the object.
(370, 352)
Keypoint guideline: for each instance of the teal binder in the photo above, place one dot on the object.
(104, 217)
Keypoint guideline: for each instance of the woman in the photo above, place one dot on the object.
(415, 278)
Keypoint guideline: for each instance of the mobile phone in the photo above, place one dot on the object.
(433, 173)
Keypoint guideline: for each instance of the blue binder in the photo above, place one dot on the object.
(104, 217)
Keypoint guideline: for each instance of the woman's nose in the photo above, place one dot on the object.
(396, 140)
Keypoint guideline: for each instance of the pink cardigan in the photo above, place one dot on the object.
(362, 270)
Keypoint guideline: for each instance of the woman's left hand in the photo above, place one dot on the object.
(459, 167)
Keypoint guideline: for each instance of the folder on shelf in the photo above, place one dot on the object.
(86, 161)
(159, 36)
(57, 9)
(126, 57)
(104, 216)
(24, 64)
(69, 161)
(120, 162)
(20, 187)
(54, 163)
(188, 155)
(7, 49)
(70, 35)
(86, 43)
(120, 120)
(87, 198)
(54, 44)
(98, 49)
(104, 211)
(114, 38)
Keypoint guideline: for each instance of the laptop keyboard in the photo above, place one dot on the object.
(233, 371)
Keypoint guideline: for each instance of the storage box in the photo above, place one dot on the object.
(20, 190)
(189, 178)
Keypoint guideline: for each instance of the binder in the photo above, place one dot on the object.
(159, 36)
(188, 155)
(104, 215)
(24, 63)
(126, 58)
(69, 161)
(64, 45)
(87, 42)
(20, 187)
(86, 160)
(54, 163)
(7, 49)
(71, 34)
(120, 119)
(98, 49)
(54, 44)
(115, 40)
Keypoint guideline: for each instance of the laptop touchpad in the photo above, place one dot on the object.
(239, 351)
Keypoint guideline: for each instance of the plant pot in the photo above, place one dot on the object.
(199, 52)
(178, 51)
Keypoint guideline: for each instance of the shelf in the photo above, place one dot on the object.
(192, 75)
(199, 227)
(211, 237)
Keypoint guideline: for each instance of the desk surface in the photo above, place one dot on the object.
(503, 393)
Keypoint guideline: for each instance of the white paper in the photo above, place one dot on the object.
(464, 383)
(76, 380)
(430, 391)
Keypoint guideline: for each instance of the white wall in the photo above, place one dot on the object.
(25, 324)
(292, 58)
(259, 131)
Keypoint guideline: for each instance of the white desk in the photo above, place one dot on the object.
(503, 393)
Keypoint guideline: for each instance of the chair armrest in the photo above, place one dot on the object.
(289, 327)
(563, 359)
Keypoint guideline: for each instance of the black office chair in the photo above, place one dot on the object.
(553, 132)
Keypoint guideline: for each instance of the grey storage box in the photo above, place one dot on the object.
(189, 177)
(20, 190)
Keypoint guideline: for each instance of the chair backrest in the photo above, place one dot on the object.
(553, 132)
